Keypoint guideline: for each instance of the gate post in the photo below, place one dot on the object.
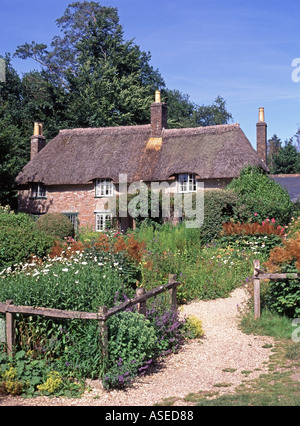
(10, 329)
(256, 281)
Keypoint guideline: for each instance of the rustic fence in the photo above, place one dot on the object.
(263, 275)
(10, 310)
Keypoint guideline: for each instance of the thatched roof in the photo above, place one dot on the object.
(80, 155)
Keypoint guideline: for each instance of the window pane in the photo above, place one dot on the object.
(187, 183)
(104, 187)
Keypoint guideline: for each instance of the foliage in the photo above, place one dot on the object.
(55, 224)
(184, 113)
(293, 227)
(252, 235)
(22, 375)
(194, 328)
(92, 61)
(286, 160)
(258, 193)
(132, 343)
(283, 296)
(219, 206)
(286, 254)
(20, 239)
(206, 272)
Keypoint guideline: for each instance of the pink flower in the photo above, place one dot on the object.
(273, 220)
(255, 214)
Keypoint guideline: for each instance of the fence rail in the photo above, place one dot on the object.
(258, 275)
(10, 310)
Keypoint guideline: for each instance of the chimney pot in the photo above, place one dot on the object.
(38, 129)
(157, 97)
(261, 115)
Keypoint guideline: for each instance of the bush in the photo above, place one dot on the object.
(259, 194)
(19, 244)
(20, 239)
(9, 219)
(283, 296)
(132, 343)
(219, 207)
(56, 225)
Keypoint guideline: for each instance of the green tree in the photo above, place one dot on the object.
(106, 80)
(13, 131)
(273, 147)
(184, 113)
(287, 159)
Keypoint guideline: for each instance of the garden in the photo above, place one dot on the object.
(42, 263)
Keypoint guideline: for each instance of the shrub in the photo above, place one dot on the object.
(9, 219)
(219, 206)
(56, 225)
(20, 240)
(258, 193)
(17, 245)
(132, 343)
(283, 296)
(194, 327)
(293, 227)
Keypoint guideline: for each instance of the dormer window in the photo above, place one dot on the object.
(104, 188)
(187, 183)
(38, 190)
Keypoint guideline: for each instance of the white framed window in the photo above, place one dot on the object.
(103, 221)
(104, 188)
(73, 217)
(38, 190)
(187, 182)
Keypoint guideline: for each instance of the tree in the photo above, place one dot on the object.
(13, 131)
(106, 80)
(287, 159)
(273, 147)
(184, 113)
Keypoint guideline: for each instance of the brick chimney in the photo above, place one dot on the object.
(158, 116)
(261, 136)
(38, 141)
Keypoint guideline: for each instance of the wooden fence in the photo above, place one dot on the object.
(10, 310)
(263, 275)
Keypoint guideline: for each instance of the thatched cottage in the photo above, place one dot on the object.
(78, 171)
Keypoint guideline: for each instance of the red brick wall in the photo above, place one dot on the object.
(65, 199)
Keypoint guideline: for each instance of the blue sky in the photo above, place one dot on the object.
(240, 50)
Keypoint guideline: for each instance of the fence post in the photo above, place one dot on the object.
(10, 329)
(256, 281)
(141, 307)
(103, 331)
(173, 292)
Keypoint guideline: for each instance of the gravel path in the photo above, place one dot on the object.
(197, 367)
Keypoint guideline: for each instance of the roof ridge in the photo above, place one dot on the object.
(220, 128)
(106, 130)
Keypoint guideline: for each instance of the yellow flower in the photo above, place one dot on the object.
(52, 383)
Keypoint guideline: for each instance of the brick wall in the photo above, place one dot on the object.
(81, 199)
(65, 199)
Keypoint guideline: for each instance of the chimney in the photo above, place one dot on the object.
(158, 116)
(261, 136)
(38, 141)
